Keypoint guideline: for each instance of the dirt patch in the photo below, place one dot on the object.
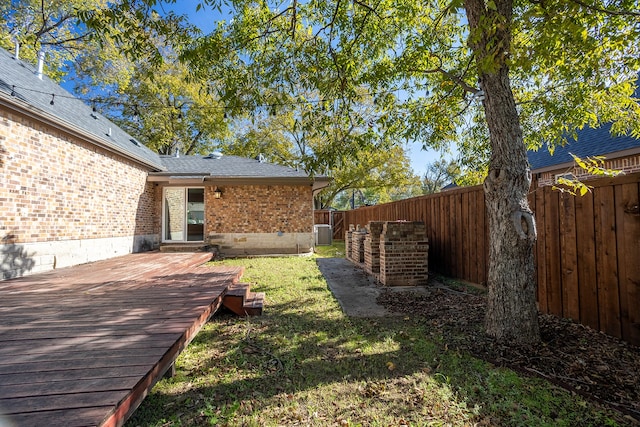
(573, 356)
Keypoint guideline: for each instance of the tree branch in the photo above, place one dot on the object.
(458, 80)
(606, 11)
(57, 42)
(45, 29)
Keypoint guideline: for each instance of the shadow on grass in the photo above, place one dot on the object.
(258, 367)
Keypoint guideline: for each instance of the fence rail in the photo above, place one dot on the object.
(587, 252)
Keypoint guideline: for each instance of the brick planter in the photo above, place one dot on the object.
(357, 246)
(348, 238)
(404, 250)
(372, 247)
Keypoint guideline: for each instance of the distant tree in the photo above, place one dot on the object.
(50, 27)
(66, 31)
(129, 69)
(379, 176)
(314, 138)
(439, 174)
(167, 110)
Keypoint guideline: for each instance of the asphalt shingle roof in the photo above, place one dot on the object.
(19, 77)
(590, 142)
(228, 167)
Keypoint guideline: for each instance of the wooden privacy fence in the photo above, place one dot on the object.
(587, 252)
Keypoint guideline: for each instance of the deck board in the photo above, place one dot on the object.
(84, 345)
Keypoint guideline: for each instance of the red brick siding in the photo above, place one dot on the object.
(259, 209)
(357, 246)
(56, 187)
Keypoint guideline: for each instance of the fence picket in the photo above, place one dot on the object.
(628, 226)
(606, 262)
(568, 258)
(587, 250)
(585, 241)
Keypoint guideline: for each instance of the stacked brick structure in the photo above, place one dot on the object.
(348, 241)
(404, 250)
(395, 252)
(372, 247)
(357, 246)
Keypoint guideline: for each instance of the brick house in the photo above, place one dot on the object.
(620, 152)
(75, 188)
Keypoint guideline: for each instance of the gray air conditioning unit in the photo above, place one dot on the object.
(323, 234)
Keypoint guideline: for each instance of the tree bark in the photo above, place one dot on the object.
(512, 315)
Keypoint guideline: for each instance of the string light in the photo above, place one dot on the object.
(270, 107)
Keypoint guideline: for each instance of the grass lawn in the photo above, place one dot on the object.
(305, 363)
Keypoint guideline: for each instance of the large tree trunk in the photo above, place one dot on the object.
(511, 311)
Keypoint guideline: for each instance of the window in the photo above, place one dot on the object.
(567, 175)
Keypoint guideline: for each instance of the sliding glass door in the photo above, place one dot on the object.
(183, 214)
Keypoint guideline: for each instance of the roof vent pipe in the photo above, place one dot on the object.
(40, 64)
(177, 152)
(16, 54)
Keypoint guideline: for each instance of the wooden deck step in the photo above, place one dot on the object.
(184, 247)
(254, 304)
(239, 299)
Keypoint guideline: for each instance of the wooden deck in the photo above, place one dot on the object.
(82, 346)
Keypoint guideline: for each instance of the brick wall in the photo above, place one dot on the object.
(395, 252)
(357, 246)
(56, 188)
(260, 219)
(259, 209)
(348, 239)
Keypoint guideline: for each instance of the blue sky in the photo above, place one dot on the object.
(206, 19)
